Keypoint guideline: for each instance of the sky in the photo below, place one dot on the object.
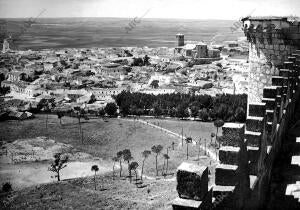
(179, 9)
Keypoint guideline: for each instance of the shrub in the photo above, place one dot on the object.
(6, 187)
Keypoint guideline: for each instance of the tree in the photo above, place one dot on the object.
(111, 109)
(137, 62)
(203, 114)
(92, 99)
(173, 145)
(182, 111)
(133, 166)
(58, 164)
(119, 156)
(154, 84)
(4, 90)
(127, 158)
(222, 111)
(157, 150)
(219, 65)
(166, 158)
(240, 114)
(218, 124)
(157, 109)
(6, 187)
(145, 155)
(194, 111)
(146, 60)
(188, 141)
(46, 105)
(95, 168)
(114, 159)
(79, 114)
(212, 135)
(60, 115)
(101, 113)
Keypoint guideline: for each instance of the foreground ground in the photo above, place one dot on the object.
(80, 194)
(102, 139)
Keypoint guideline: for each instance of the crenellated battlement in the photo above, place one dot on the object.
(272, 40)
(272, 30)
(248, 151)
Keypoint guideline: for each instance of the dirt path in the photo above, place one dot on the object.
(210, 152)
(33, 173)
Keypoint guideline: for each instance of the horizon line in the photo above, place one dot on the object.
(123, 18)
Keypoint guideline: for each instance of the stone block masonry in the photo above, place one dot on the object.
(192, 188)
(192, 181)
(271, 43)
(248, 151)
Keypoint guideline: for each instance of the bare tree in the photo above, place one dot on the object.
(145, 155)
(127, 158)
(188, 141)
(79, 113)
(119, 156)
(157, 150)
(212, 135)
(133, 166)
(114, 159)
(60, 116)
(58, 164)
(166, 158)
(218, 124)
(173, 145)
(95, 168)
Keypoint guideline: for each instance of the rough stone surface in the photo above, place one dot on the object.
(192, 181)
(253, 138)
(255, 124)
(233, 134)
(229, 155)
(226, 175)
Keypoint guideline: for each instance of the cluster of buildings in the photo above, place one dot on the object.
(91, 77)
(199, 51)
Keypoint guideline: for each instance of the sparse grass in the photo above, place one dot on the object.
(194, 129)
(110, 194)
(104, 139)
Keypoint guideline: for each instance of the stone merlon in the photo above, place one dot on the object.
(268, 28)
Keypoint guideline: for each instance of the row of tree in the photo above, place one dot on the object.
(125, 155)
(230, 108)
(60, 162)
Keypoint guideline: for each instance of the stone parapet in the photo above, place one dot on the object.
(192, 188)
(226, 175)
(248, 151)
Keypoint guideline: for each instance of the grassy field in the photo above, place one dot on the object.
(104, 139)
(194, 129)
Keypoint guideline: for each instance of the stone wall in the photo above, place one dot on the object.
(271, 42)
(248, 150)
(273, 91)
